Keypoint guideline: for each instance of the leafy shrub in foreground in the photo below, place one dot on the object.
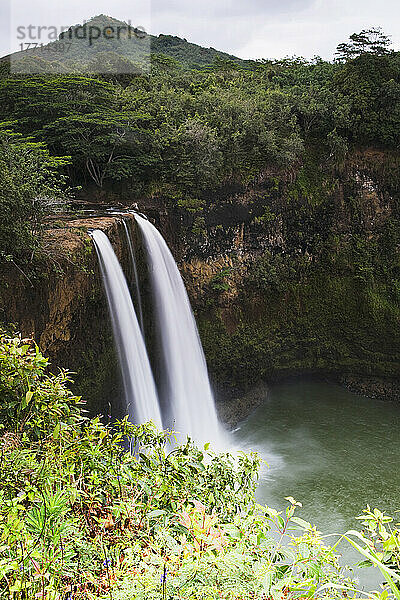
(81, 517)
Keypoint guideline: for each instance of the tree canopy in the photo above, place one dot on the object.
(368, 41)
(182, 134)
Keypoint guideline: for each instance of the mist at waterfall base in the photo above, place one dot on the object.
(332, 450)
(139, 387)
(187, 400)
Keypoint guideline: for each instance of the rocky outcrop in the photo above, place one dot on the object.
(63, 306)
(235, 408)
(373, 387)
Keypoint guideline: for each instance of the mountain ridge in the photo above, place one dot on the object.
(120, 47)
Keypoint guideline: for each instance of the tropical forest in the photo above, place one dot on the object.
(199, 312)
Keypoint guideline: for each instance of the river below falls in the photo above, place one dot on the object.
(333, 451)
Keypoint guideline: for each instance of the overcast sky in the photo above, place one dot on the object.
(246, 28)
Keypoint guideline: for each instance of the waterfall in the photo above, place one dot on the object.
(135, 274)
(139, 387)
(189, 395)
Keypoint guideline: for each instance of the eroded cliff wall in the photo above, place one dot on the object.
(63, 306)
(293, 273)
(296, 273)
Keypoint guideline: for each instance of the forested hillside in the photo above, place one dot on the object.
(183, 134)
(276, 186)
(104, 43)
(284, 174)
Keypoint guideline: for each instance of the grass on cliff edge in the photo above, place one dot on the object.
(82, 517)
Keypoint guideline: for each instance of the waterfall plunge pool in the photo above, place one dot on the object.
(333, 451)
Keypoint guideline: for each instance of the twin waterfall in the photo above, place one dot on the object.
(189, 398)
(185, 396)
(139, 388)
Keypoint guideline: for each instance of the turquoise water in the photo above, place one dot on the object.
(330, 449)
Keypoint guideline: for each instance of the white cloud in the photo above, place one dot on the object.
(318, 29)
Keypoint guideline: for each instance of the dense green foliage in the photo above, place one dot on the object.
(182, 132)
(303, 154)
(30, 180)
(80, 517)
(185, 135)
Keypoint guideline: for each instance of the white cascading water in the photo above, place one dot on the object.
(189, 395)
(140, 391)
(135, 274)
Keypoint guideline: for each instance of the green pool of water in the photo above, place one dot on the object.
(330, 449)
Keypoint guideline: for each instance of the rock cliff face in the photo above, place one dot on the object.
(296, 273)
(64, 307)
(292, 274)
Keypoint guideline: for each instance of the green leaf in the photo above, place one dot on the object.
(388, 574)
(301, 522)
(156, 513)
(267, 581)
(56, 432)
(232, 531)
(145, 487)
(280, 521)
(27, 399)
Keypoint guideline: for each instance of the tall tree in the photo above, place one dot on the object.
(368, 41)
(29, 182)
